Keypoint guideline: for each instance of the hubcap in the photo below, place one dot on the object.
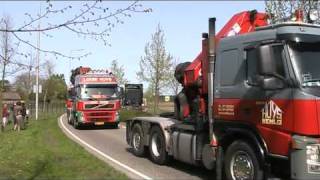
(136, 140)
(155, 145)
(241, 166)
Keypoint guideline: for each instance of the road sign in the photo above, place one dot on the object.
(35, 88)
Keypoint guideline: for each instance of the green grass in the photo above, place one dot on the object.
(126, 114)
(42, 151)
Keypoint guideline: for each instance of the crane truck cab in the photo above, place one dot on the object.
(260, 114)
(94, 98)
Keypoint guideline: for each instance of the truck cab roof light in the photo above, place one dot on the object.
(298, 15)
(313, 15)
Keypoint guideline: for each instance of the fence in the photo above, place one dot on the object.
(47, 108)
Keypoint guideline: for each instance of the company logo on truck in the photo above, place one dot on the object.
(271, 114)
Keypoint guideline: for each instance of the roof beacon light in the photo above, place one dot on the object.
(298, 15)
(313, 15)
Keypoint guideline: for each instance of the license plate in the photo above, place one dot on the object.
(99, 123)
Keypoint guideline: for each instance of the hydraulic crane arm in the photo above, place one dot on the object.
(193, 77)
(241, 23)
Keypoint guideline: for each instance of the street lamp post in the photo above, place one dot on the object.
(37, 71)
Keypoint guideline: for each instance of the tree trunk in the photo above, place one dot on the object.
(5, 50)
(29, 82)
(156, 100)
(4, 61)
(3, 75)
(44, 101)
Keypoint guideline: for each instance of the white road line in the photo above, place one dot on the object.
(103, 154)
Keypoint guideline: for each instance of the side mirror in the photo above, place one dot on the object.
(120, 92)
(271, 83)
(266, 64)
(73, 93)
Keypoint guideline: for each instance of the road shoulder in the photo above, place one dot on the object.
(130, 172)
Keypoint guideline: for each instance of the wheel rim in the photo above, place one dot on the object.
(241, 166)
(155, 145)
(136, 141)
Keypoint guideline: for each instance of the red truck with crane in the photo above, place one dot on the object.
(250, 103)
(93, 98)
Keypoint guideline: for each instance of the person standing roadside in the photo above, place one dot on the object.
(5, 116)
(18, 116)
(13, 114)
(24, 114)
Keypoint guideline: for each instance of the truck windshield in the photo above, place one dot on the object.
(94, 91)
(306, 61)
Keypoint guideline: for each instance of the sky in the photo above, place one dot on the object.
(183, 23)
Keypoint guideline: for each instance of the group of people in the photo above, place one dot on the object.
(19, 116)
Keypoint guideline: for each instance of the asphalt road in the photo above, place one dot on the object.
(110, 146)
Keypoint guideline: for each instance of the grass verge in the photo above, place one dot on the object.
(126, 114)
(42, 151)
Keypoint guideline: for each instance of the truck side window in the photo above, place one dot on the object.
(252, 60)
(278, 51)
(252, 67)
(229, 67)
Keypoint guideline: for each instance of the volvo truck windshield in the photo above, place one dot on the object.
(95, 91)
(306, 61)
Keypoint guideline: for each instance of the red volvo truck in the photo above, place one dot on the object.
(250, 103)
(94, 98)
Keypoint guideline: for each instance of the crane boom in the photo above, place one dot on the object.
(195, 74)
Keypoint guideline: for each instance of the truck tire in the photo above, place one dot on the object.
(241, 162)
(137, 137)
(157, 146)
(69, 118)
(115, 125)
(179, 104)
(75, 123)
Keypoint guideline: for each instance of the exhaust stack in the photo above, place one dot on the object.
(212, 56)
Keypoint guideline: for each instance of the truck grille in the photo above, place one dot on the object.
(99, 106)
(96, 116)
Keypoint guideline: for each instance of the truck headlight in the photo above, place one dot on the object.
(81, 117)
(313, 160)
(117, 116)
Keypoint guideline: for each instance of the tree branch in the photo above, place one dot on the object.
(47, 51)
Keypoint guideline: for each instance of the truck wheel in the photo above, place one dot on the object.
(115, 125)
(157, 146)
(75, 123)
(241, 162)
(137, 137)
(69, 117)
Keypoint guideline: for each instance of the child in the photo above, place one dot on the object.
(5, 115)
(18, 116)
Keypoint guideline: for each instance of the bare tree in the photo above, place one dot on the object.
(155, 65)
(78, 20)
(283, 10)
(118, 71)
(49, 70)
(9, 65)
(173, 85)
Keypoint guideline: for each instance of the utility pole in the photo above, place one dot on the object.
(29, 75)
(37, 70)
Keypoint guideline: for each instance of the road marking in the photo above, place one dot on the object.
(103, 154)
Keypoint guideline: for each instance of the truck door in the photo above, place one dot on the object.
(268, 99)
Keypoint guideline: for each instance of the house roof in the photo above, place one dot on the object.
(10, 96)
